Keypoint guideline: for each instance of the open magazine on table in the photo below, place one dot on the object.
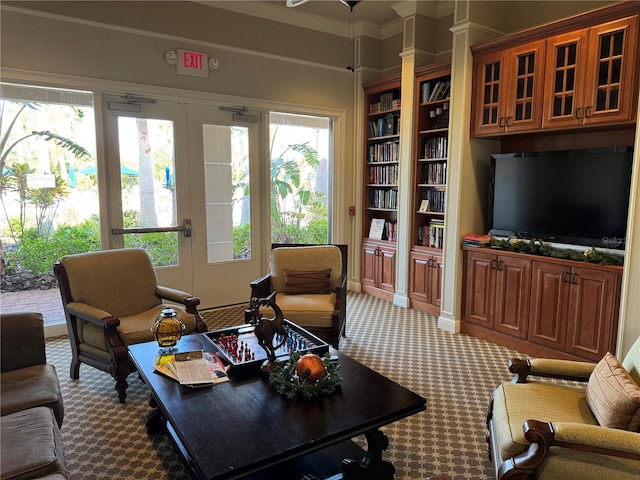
(194, 369)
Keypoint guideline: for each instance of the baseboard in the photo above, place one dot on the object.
(401, 300)
(57, 330)
(447, 323)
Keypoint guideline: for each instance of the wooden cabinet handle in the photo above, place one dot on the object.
(578, 113)
(574, 279)
(501, 122)
(509, 121)
(500, 265)
(587, 112)
(493, 264)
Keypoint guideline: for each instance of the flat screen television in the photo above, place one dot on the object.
(578, 197)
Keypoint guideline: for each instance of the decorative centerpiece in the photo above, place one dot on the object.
(167, 329)
(305, 375)
(266, 329)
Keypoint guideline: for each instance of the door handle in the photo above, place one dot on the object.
(185, 228)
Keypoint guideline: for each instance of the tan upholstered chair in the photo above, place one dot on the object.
(584, 429)
(311, 286)
(111, 299)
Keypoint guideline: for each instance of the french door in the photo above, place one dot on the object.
(179, 180)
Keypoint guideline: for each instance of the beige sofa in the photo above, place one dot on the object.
(30, 402)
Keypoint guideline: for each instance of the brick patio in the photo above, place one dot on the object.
(47, 302)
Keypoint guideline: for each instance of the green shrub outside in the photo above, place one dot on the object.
(37, 254)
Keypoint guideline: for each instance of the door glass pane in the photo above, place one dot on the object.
(48, 189)
(301, 170)
(227, 194)
(147, 167)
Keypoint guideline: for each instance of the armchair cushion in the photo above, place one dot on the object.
(29, 387)
(31, 445)
(306, 310)
(307, 281)
(134, 290)
(317, 257)
(613, 396)
(515, 403)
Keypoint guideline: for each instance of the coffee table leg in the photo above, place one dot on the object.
(154, 422)
(372, 467)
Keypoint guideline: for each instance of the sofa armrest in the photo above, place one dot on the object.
(550, 368)
(591, 439)
(172, 294)
(88, 313)
(261, 287)
(22, 340)
(597, 439)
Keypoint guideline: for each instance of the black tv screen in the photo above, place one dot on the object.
(576, 197)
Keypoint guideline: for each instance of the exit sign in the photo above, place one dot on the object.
(193, 63)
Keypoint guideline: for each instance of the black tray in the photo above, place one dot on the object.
(300, 340)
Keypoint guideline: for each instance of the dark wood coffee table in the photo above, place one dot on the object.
(244, 429)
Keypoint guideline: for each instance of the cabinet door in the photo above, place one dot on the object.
(549, 304)
(387, 269)
(369, 265)
(436, 280)
(611, 75)
(479, 287)
(488, 119)
(512, 291)
(593, 312)
(523, 87)
(564, 81)
(419, 278)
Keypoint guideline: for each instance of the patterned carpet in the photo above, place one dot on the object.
(456, 373)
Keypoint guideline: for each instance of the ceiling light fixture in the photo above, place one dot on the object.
(351, 49)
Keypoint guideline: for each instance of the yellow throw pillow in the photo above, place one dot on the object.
(613, 396)
(307, 281)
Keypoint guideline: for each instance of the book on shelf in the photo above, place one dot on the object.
(440, 91)
(476, 240)
(193, 369)
(377, 228)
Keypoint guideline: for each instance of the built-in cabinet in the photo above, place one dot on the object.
(425, 280)
(509, 89)
(381, 170)
(590, 75)
(541, 306)
(559, 77)
(378, 276)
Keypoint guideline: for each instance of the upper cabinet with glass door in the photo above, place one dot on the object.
(508, 90)
(580, 71)
(591, 75)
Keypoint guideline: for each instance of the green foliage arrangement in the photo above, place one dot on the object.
(537, 247)
(284, 379)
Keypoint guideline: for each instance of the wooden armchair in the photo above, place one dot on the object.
(111, 299)
(311, 286)
(584, 429)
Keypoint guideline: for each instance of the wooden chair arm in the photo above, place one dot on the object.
(261, 287)
(550, 368)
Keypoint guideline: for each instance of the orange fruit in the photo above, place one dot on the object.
(313, 363)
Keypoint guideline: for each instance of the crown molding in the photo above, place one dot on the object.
(309, 21)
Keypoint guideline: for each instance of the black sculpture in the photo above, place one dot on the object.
(266, 329)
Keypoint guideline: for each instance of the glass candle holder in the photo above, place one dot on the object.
(167, 329)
